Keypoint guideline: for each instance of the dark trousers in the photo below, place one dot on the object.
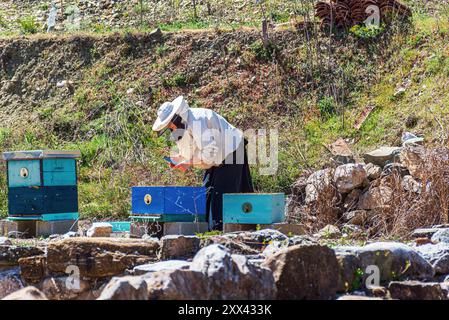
(226, 178)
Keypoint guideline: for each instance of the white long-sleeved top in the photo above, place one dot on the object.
(208, 137)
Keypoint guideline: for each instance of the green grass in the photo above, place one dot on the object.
(28, 25)
(180, 25)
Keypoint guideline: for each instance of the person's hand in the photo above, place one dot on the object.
(183, 167)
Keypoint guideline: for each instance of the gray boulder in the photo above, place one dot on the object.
(415, 290)
(65, 288)
(394, 260)
(316, 183)
(162, 265)
(215, 273)
(178, 246)
(263, 236)
(424, 232)
(177, 285)
(349, 176)
(232, 276)
(27, 293)
(382, 155)
(10, 282)
(10, 255)
(305, 272)
(437, 255)
(442, 235)
(125, 288)
(276, 246)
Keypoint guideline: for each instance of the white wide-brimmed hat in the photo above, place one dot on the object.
(166, 112)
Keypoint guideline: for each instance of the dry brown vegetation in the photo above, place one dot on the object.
(408, 203)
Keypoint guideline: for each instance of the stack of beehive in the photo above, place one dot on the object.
(347, 13)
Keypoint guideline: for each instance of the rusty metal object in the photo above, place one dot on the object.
(347, 13)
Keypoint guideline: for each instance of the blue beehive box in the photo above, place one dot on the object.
(253, 208)
(171, 203)
(42, 185)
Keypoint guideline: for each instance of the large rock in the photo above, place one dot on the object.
(442, 235)
(352, 199)
(100, 229)
(328, 232)
(415, 290)
(276, 246)
(99, 257)
(33, 269)
(232, 276)
(373, 171)
(375, 198)
(437, 255)
(411, 185)
(66, 288)
(231, 242)
(413, 158)
(125, 288)
(394, 260)
(305, 272)
(178, 285)
(214, 274)
(382, 155)
(424, 232)
(28, 293)
(177, 246)
(349, 176)
(246, 242)
(10, 255)
(162, 265)
(356, 217)
(316, 183)
(261, 238)
(349, 273)
(9, 282)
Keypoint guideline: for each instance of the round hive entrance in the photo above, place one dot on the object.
(24, 172)
(247, 207)
(147, 199)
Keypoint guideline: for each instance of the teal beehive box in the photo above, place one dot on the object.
(42, 185)
(253, 208)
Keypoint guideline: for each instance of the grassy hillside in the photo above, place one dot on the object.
(99, 94)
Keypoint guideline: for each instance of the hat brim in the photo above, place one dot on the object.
(160, 124)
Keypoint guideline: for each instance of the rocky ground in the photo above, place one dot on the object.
(263, 264)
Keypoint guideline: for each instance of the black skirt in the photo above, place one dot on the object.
(229, 177)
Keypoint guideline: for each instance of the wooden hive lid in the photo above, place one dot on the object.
(40, 154)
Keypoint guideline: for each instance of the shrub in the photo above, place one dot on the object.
(364, 32)
(262, 52)
(28, 25)
(327, 106)
(178, 80)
